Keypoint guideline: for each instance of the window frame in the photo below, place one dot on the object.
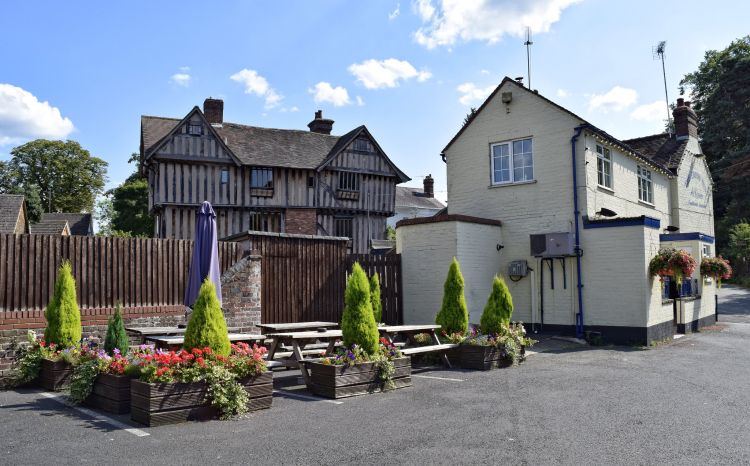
(511, 162)
(224, 176)
(267, 175)
(337, 221)
(350, 182)
(191, 126)
(604, 158)
(645, 185)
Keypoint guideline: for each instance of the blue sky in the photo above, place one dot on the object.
(409, 70)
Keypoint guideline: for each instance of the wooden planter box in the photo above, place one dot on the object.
(155, 404)
(54, 375)
(111, 393)
(483, 357)
(342, 381)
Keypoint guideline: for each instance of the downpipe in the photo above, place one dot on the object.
(576, 215)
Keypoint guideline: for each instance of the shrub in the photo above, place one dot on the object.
(358, 324)
(62, 313)
(116, 336)
(453, 316)
(377, 304)
(498, 310)
(207, 327)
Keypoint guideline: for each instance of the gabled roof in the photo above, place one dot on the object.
(662, 148)
(50, 226)
(11, 206)
(80, 224)
(270, 147)
(414, 197)
(662, 158)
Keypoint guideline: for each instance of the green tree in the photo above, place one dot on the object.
(29, 191)
(720, 90)
(207, 326)
(68, 178)
(358, 324)
(453, 316)
(116, 336)
(377, 304)
(498, 310)
(62, 313)
(739, 248)
(390, 233)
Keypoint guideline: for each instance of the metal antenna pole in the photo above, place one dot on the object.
(528, 56)
(659, 55)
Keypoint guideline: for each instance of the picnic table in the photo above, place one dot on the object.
(298, 340)
(390, 331)
(145, 332)
(297, 326)
(176, 341)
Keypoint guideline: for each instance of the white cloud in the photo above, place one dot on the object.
(360, 102)
(323, 92)
(484, 71)
(562, 93)
(655, 111)
(615, 100)
(23, 117)
(294, 109)
(395, 13)
(184, 69)
(258, 85)
(181, 79)
(486, 20)
(379, 74)
(471, 94)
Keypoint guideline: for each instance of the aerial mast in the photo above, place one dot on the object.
(528, 43)
(658, 53)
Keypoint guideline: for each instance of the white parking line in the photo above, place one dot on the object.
(99, 417)
(306, 397)
(438, 378)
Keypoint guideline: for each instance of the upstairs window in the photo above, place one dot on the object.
(362, 145)
(261, 178)
(512, 162)
(224, 176)
(645, 186)
(195, 129)
(603, 167)
(342, 226)
(348, 181)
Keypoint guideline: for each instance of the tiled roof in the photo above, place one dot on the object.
(10, 207)
(415, 198)
(49, 226)
(662, 148)
(80, 224)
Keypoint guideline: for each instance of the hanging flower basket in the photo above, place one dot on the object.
(673, 263)
(717, 268)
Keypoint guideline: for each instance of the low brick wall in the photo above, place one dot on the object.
(241, 292)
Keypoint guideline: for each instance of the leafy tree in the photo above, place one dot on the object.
(453, 316)
(62, 313)
(469, 116)
(739, 247)
(720, 91)
(390, 233)
(358, 324)
(498, 310)
(377, 304)
(116, 336)
(207, 326)
(67, 176)
(124, 210)
(30, 192)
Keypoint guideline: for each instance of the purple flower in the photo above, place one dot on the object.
(116, 351)
(351, 355)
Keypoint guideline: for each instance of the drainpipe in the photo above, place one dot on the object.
(576, 215)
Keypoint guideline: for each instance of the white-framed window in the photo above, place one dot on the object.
(645, 186)
(603, 167)
(512, 161)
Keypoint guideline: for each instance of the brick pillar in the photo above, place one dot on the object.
(240, 288)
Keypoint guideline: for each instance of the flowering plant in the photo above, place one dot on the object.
(512, 340)
(454, 337)
(30, 362)
(382, 358)
(672, 262)
(717, 268)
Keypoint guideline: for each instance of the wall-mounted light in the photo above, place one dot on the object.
(604, 212)
(672, 228)
(499, 247)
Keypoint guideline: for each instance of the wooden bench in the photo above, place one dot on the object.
(428, 349)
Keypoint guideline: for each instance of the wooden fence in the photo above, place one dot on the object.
(303, 277)
(131, 271)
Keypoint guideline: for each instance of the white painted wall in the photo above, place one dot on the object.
(692, 193)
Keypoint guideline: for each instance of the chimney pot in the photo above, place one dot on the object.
(213, 110)
(319, 114)
(680, 102)
(429, 184)
(685, 120)
(321, 125)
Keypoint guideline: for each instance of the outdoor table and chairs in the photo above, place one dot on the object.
(176, 341)
(298, 340)
(296, 326)
(390, 331)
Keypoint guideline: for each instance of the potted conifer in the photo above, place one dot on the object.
(365, 363)
(377, 304)
(453, 316)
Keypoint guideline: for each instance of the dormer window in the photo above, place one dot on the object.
(195, 129)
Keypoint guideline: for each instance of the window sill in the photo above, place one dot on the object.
(647, 204)
(261, 192)
(605, 189)
(516, 183)
(347, 195)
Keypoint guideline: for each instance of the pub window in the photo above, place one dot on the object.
(261, 178)
(645, 186)
(196, 129)
(362, 145)
(224, 176)
(348, 181)
(603, 167)
(342, 226)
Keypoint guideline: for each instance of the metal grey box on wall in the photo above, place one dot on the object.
(552, 245)
(518, 269)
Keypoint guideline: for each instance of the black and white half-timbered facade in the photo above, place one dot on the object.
(264, 179)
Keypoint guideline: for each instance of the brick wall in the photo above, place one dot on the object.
(301, 221)
(241, 288)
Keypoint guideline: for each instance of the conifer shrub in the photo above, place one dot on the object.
(453, 316)
(498, 310)
(63, 314)
(116, 336)
(207, 327)
(358, 324)
(377, 304)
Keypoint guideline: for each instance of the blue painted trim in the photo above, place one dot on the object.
(649, 222)
(687, 237)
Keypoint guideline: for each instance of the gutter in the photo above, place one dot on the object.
(576, 215)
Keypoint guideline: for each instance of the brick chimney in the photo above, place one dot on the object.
(685, 120)
(320, 125)
(429, 186)
(213, 109)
